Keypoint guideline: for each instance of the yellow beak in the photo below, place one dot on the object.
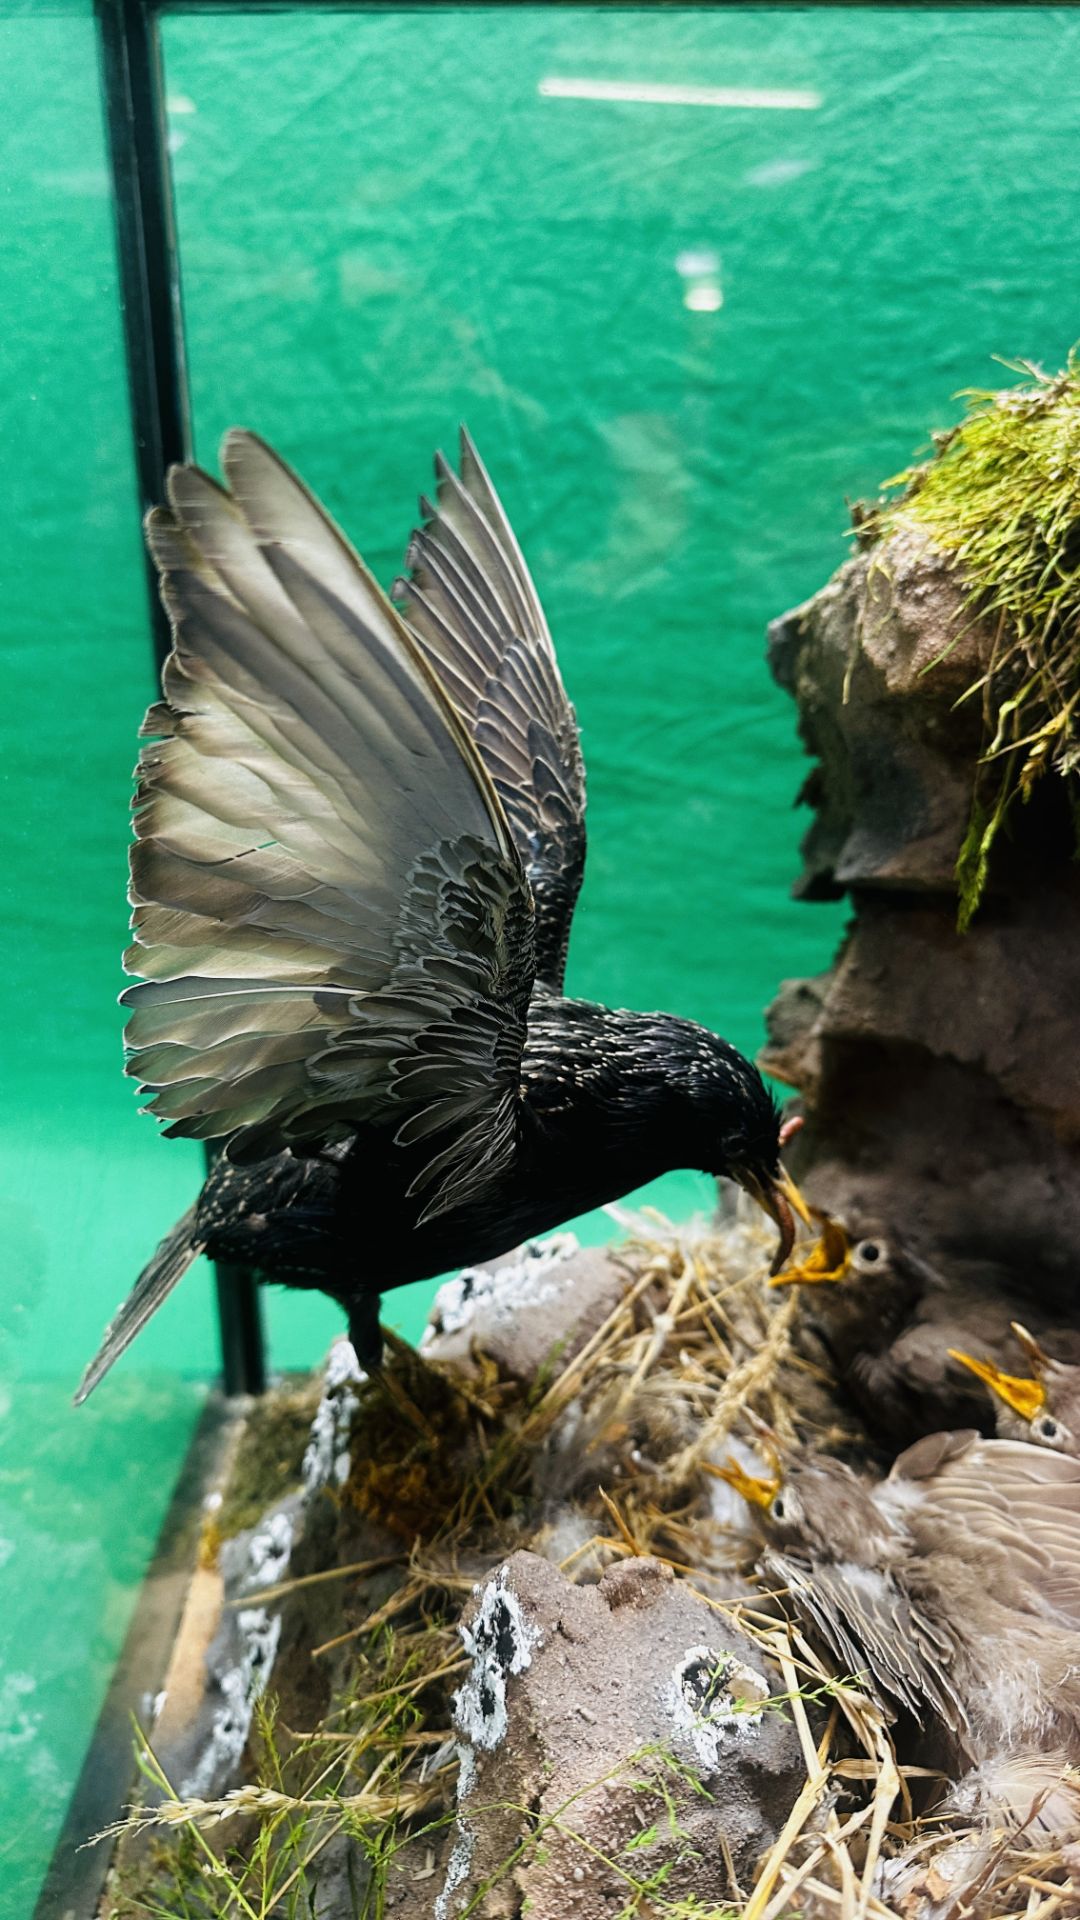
(1025, 1397)
(759, 1493)
(780, 1198)
(828, 1260)
(1039, 1360)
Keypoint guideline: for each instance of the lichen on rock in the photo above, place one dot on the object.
(499, 1640)
(326, 1459)
(610, 1710)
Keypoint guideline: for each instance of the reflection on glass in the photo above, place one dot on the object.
(655, 93)
(699, 269)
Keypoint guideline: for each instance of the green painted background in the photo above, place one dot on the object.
(386, 228)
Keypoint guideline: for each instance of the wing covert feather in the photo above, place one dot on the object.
(1021, 1499)
(876, 1635)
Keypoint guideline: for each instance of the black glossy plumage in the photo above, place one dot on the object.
(360, 838)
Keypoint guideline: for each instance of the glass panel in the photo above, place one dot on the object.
(681, 329)
(86, 1186)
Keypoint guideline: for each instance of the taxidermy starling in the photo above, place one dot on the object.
(889, 1320)
(359, 840)
(951, 1588)
(1043, 1406)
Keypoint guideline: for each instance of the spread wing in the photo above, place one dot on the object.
(874, 1634)
(474, 611)
(330, 911)
(1020, 1499)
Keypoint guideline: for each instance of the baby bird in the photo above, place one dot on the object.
(1042, 1407)
(950, 1590)
(888, 1321)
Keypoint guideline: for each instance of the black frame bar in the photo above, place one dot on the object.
(148, 262)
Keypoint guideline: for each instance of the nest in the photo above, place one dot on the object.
(460, 1474)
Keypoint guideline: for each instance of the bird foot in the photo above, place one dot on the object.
(407, 1406)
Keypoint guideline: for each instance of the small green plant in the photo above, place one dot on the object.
(1001, 495)
(691, 1908)
(356, 1778)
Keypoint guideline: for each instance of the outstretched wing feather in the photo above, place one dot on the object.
(472, 606)
(328, 901)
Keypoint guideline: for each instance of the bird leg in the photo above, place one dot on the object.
(365, 1332)
(370, 1343)
(407, 1406)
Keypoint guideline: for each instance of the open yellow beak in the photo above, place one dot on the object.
(828, 1260)
(780, 1198)
(1025, 1397)
(1039, 1360)
(759, 1493)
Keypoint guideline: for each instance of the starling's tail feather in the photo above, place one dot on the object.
(157, 1279)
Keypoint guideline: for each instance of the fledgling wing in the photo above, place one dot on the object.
(1021, 1500)
(875, 1634)
(329, 907)
(472, 606)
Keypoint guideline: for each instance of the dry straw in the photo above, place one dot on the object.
(696, 1342)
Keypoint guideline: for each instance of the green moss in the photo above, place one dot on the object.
(1001, 496)
(269, 1457)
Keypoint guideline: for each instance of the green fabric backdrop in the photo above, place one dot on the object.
(680, 333)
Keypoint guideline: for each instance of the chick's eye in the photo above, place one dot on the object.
(778, 1510)
(1046, 1428)
(869, 1252)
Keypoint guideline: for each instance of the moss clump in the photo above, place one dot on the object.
(269, 1460)
(1001, 496)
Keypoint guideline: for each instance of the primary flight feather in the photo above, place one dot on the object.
(359, 839)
